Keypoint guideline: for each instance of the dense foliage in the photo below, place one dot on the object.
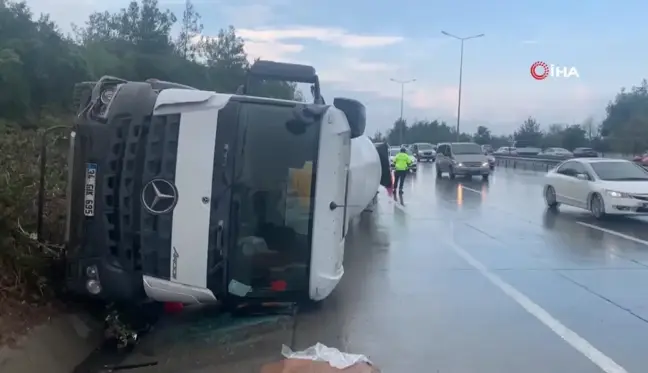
(624, 130)
(38, 69)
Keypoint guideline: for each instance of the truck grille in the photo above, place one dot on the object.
(161, 148)
(129, 152)
(472, 164)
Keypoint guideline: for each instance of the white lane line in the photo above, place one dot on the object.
(471, 189)
(605, 363)
(614, 233)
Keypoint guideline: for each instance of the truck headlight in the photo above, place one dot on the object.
(91, 272)
(93, 287)
(485, 164)
(107, 95)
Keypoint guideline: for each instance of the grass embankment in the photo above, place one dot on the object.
(29, 269)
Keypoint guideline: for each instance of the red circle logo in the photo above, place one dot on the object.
(544, 70)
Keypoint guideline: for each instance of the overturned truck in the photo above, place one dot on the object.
(183, 195)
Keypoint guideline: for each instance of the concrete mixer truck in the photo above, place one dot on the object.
(183, 195)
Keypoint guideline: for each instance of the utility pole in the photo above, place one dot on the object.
(460, 72)
(402, 83)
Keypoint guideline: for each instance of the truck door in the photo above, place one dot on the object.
(223, 179)
(272, 202)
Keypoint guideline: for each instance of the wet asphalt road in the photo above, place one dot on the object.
(461, 276)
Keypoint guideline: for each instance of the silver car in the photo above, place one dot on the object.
(461, 158)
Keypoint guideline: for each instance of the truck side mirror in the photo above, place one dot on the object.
(355, 112)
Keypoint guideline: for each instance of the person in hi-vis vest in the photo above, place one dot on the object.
(402, 162)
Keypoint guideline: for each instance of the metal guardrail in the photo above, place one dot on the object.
(529, 162)
(524, 162)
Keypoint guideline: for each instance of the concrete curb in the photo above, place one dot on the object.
(54, 347)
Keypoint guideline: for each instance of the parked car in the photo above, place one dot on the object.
(424, 151)
(506, 150)
(557, 153)
(462, 158)
(585, 153)
(525, 148)
(601, 185)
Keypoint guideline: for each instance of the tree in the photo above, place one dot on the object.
(482, 136)
(188, 43)
(574, 136)
(398, 134)
(433, 132)
(626, 125)
(135, 43)
(529, 133)
(553, 138)
(590, 128)
(378, 137)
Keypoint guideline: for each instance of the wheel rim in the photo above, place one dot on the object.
(550, 196)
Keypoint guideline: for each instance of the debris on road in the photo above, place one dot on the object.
(320, 359)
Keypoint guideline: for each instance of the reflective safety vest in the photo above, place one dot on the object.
(402, 161)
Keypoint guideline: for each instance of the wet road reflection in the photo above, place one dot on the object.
(469, 276)
(417, 304)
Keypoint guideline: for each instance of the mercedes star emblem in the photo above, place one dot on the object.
(159, 196)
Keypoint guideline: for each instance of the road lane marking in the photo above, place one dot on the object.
(605, 363)
(614, 233)
(471, 189)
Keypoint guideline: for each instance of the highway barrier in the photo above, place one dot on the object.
(526, 162)
(540, 163)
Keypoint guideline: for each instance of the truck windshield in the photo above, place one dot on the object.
(271, 220)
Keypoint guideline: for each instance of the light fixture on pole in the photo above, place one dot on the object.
(460, 71)
(402, 83)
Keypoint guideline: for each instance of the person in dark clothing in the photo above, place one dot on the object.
(402, 162)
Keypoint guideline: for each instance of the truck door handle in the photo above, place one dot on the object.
(220, 240)
(334, 205)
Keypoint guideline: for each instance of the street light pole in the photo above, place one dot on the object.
(402, 83)
(460, 72)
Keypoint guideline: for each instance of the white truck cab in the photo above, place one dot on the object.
(183, 195)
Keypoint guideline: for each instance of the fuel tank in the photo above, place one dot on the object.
(365, 173)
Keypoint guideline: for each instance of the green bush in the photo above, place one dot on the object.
(26, 265)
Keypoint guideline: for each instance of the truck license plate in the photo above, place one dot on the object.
(90, 189)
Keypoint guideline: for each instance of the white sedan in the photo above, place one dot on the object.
(602, 186)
